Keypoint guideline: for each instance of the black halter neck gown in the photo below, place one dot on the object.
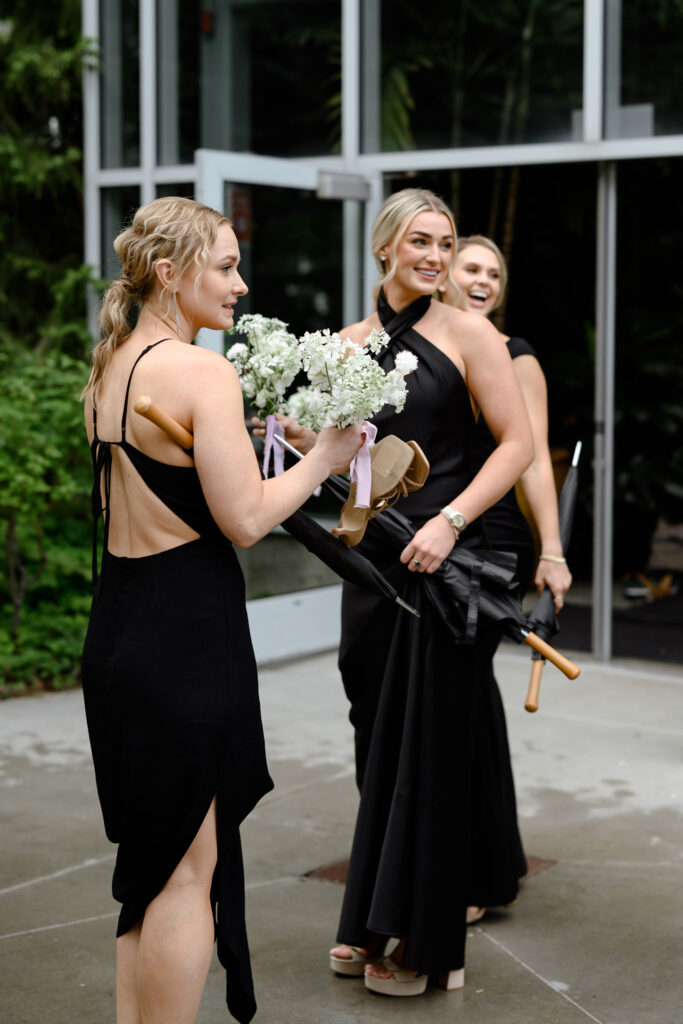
(170, 688)
(418, 700)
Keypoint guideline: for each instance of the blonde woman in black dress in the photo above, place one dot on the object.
(169, 677)
(477, 284)
(413, 691)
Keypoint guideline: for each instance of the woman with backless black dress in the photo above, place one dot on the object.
(169, 676)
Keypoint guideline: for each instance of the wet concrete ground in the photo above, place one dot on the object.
(596, 935)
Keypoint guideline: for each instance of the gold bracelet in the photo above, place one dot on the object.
(552, 558)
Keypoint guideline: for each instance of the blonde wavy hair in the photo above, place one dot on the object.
(172, 228)
(487, 243)
(394, 219)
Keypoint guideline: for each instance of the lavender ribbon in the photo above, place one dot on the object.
(272, 428)
(361, 467)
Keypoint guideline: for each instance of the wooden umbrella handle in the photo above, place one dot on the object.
(151, 411)
(531, 703)
(570, 669)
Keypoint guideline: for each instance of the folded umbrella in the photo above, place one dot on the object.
(469, 582)
(543, 618)
(348, 563)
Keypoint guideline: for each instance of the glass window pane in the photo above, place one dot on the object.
(291, 255)
(470, 74)
(118, 207)
(182, 188)
(120, 83)
(645, 75)
(291, 249)
(262, 76)
(648, 473)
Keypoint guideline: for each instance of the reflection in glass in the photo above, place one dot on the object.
(118, 207)
(120, 83)
(644, 71)
(463, 74)
(262, 76)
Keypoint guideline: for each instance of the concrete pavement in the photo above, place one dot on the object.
(596, 935)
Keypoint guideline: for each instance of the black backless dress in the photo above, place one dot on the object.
(170, 688)
(416, 696)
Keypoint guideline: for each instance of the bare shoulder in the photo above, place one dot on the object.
(474, 331)
(357, 333)
(198, 365)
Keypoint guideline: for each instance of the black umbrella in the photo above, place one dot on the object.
(348, 563)
(543, 618)
(469, 582)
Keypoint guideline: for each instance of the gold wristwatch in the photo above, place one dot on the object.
(455, 518)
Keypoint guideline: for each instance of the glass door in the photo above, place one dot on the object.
(292, 246)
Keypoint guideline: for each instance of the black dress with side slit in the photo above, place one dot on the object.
(416, 696)
(171, 698)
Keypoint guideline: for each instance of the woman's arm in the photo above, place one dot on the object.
(538, 482)
(245, 506)
(494, 387)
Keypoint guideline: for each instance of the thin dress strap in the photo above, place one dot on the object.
(102, 464)
(130, 377)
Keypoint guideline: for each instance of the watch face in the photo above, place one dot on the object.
(459, 520)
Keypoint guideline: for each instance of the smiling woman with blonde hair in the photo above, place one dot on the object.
(477, 284)
(413, 691)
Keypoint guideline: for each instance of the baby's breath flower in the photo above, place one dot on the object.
(268, 362)
(346, 384)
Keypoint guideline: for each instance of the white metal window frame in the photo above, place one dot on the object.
(212, 168)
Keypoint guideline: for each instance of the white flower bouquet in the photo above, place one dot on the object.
(346, 384)
(266, 365)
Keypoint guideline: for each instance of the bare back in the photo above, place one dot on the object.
(140, 522)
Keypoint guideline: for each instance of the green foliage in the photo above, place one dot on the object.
(45, 478)
(44, 464)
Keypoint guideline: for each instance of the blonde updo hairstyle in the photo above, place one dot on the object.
(172, 228)
(487, 243)
(394, 219)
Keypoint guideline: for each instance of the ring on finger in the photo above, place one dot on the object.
(416, 563)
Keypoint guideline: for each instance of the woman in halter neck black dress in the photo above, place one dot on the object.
(169, 677)
(413, 692)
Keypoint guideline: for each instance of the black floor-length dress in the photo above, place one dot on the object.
(498, 856)
(171, 698)
(416, 696)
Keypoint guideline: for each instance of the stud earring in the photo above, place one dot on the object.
(175, 310)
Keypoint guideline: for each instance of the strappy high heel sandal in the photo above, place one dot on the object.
(398, 467)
